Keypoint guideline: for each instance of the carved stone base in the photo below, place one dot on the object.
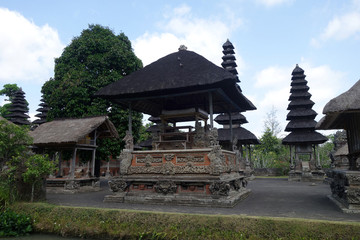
(345, 188)
(184, 190)
(59, 185)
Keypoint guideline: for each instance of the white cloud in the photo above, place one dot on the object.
(27, 51)
(204, 36)
(341, 27)
(273, 90)
(271, 3)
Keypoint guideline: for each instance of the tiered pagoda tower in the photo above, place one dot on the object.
(44, 108)
(229, 58)
(303, 139)
(19, 109)
(232, 136)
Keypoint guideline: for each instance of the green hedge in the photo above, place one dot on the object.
(127, 224)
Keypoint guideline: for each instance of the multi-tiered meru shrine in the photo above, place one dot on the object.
(186, 164)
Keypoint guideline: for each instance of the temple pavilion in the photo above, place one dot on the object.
(343, 112)
(186, 164)
(302, 139)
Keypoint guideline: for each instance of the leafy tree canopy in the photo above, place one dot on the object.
(91, 61)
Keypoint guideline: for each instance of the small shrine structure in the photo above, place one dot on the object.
(73, 135)
(232, 136)
(303, 139)
(241, 139)
(343, 112)
(186, 164)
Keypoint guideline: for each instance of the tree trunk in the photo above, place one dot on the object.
(32, 192)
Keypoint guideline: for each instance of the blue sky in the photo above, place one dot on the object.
(270, 38)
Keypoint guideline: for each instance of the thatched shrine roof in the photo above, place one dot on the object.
(304, 138)
(236, 118)
(337, 108)
(243, 135)
(178, 81)
(70, 131)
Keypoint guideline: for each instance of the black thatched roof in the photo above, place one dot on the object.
(178, 81)
(243, 135)
(338, 108)
(301, 115)
(66, 132)
(228, 58)
(224, 119)
(18, 109)
(304, 138)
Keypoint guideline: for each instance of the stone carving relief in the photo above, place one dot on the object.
(125, 161)
(129, 141)
(118, 185)
(213, 137)
(200, 139)
(72, 185)
(353, 195)
(169, 157)
(168, 168)
(189, 158)
(165, 187)
(149, 159)
(220, 188)
(217, 160)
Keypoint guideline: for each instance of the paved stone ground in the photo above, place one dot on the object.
(269, 197)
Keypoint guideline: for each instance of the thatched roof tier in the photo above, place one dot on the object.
(154, 119)
(298, 88)
(300, 103)
(178, 81)
(42, 109)
(153, 128)
(338, 109)
(243, 135)
(298, 138)
(299, 80)
(18, 115)
(300, 124)
(67, 132)
(146, 143)
(39, 121)
(224, 119)
(342, 151)
(299, 95)
(347, 101)
(228, 47)
(304, 114)
(297, 71)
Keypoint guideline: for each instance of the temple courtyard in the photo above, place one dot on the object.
(270, 197)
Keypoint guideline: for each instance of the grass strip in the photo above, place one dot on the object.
(99, 223)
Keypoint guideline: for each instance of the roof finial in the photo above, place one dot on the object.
(182, 47)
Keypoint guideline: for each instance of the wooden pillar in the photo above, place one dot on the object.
(231, 128)
(60, 160)
(130, 119)
(72, 166)
(93, 156)
(211, 110)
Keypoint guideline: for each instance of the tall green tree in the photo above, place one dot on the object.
(9, 91)
(91, 61)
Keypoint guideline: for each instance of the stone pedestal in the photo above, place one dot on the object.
(345, 188)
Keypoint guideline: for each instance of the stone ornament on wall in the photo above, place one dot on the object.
(213, 137)
(220, 188)
(189, 158)
(168, 168)
(165, 187)
(118, 185)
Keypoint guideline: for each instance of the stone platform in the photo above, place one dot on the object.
(198, 177)
(345, 188)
